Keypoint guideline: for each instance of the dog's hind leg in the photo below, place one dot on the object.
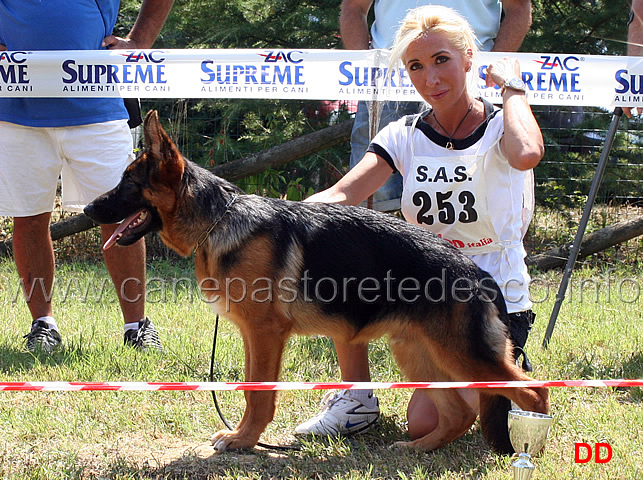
(455, 415)
(496, 403)
(263, 352)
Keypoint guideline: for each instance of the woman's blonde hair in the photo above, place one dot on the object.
(436, 18)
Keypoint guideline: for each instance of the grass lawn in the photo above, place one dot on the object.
(125, 435)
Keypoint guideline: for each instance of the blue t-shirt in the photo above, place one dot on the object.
(27, 25)
(482, 15)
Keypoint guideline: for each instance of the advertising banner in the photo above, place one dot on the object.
(552, 79)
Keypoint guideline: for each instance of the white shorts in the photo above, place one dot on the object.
(89, 159)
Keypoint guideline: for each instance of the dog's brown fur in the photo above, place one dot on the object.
(248, 242)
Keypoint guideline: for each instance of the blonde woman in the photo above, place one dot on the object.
(467, 176)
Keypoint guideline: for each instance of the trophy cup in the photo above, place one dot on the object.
(528, 432)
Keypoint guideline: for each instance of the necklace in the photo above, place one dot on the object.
(449, 144)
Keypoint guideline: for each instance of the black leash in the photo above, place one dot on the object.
(216, 402)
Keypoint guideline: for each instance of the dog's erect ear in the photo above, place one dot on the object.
(156, 139)
(162, 148)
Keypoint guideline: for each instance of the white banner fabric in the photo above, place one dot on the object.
(552, 79)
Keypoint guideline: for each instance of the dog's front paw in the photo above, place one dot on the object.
(230, 440)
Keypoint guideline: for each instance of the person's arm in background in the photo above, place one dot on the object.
(635, 40)
(635, 30)
(514, 25)
(513, 28)
(146, 29)
(353, 24)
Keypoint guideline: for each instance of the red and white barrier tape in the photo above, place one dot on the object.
(229, 386)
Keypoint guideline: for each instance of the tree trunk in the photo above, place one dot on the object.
(244, 167)
(286, 152)
(593, 242)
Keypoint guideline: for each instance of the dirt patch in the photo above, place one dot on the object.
(166, 458)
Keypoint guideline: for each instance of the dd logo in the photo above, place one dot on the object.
(583, 452)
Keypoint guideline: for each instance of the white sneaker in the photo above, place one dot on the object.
(340, 414)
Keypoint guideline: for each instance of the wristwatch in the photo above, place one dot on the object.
(515, 84)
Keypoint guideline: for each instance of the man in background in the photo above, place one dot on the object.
(635, 39)
(85, 141)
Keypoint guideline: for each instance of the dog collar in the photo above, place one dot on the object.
(204, 236)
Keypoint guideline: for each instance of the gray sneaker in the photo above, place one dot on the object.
(145, 337)
(42, 338)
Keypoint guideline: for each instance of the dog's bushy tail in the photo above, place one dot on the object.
(494, 410)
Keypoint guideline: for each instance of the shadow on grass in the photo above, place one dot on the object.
(18, 359)
(366, 456)
(633, 368)
(626, 366)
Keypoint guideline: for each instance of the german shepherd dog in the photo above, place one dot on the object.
(277, 268)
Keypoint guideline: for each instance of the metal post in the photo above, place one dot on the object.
(374, 115)
(573, 253)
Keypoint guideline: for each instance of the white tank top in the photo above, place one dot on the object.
(470, 197)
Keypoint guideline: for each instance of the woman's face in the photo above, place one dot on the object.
(437, 69)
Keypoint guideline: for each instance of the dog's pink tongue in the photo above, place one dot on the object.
(117, 233)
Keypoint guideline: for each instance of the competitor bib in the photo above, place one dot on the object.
(448, 196)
